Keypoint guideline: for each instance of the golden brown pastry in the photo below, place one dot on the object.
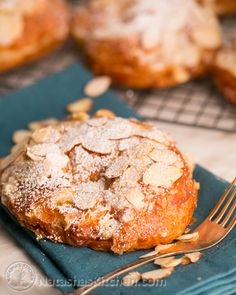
(30, 29)
(221, 7)
(107, 183)
(147, 43)
(224, 72)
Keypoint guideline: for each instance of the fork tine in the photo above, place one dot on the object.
(226, 206)
(232, 223)
(229, 214)
(222, 199)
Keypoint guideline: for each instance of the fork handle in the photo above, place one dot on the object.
(125, 268)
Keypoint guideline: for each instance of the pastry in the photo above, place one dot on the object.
(224, 72)
(30, 29)
(108, 183)
(221, 7)
(147, 43)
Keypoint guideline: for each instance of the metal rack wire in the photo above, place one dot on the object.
(196, 104)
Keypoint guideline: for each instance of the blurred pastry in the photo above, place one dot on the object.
(107, 182)
(30, 29)
(221, 7)
(224, 72)
(147, 43)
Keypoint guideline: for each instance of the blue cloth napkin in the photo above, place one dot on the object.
(69, 267)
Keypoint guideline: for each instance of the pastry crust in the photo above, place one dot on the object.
(224, 72)
(109, 184)
(221, 7)
(30, 29)
(142, 44)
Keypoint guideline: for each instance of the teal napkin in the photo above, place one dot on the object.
(69, 267)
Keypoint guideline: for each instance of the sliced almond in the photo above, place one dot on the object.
(11, 27)
(168, 262)
(81, 105)
(157, 274)
(187, 230)
(194, 257)
(131, 279)
(97, 122)
(97, 145)
(196, 185)
(20, 135)
(97, 86)
(189, 159)
(135, 197)
(79, 116)
(46, 134)
(104, 113)
(160, 174)
(189, 237)
(181, 74)
(161, 248)
(207, 37)
(118, 167)
(43, 123)
(40, 151)
(18, 150)
(166, 156)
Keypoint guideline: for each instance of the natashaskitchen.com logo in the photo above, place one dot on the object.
(20, 276)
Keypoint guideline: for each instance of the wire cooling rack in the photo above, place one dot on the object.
(196, 104)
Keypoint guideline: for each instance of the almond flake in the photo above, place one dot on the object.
(11, 27)
(206, 37)
(18, 150)
(135, 197)
(154, 134)
(196, 185)
(160, 248)
(187, 230)
(20, 135)
(118, 167)
(46, 135)
(189, 237)
(98, 146)
(157, 274)
(168, 262)
(193, 257)
(97, 86)
(166, 156)
(97, 122)
(43, 123)
(39, 152)
(104, 113)
(129, 178)
(131, 279)
(128, 143)
(87, 194)
(160, 174)
(81, 105)
(79, 116)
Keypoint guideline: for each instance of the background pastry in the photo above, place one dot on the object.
(224, 72)
(221, 7)
(147, 43)
(106, 183)
(30, 29)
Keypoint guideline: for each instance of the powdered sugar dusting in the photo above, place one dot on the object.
(101, 165)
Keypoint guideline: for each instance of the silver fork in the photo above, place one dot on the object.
(212, 230)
